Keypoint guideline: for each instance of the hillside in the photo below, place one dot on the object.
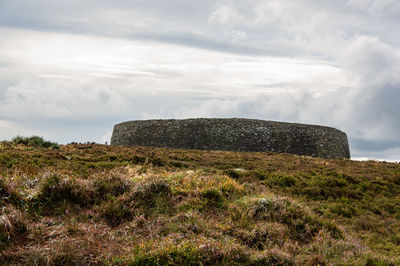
(96, 204)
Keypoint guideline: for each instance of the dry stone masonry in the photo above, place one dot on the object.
(234, 135)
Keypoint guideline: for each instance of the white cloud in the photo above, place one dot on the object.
(71, 70)
(223, 15)
(92, 78)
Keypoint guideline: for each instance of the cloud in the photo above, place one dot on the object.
(71, 79)
(71, 69)
(245, 27)
(383, 8)
(374, 101)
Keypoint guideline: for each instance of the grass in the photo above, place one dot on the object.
(96, 204)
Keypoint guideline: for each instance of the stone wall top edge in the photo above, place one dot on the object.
(228, 119)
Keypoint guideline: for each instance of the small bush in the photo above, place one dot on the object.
(12, 226)
(157, 161)
(317, 260)
(35, 141)
(302, 225)
(110, 186)
(274, 258)
(7, 161)
(213, 198)
(263, 236)
(178, 164)
(7, 194)
(208, 253)
(232, 173)
(285, 181)
(4, 190)
(138, 160)
(365, 222)
(342, 209)
(152, 196)
(116, 212)
(55, 190)
(377, 262)
(148, 196)
(147, 189)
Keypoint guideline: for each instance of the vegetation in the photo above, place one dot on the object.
(34, 141)
(96, 204)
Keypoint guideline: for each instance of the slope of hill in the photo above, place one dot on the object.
(95, 204)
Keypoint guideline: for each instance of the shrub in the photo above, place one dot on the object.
(371, 261)
(151, 196)
(343, 209)
(365, 222)
(263, 236)
(188, 253)
(326, 187)
(302, 225)
(145, 191)
(138, 160)
(116, 212)
(148, 196)
(7, 161)
(213, 198)
(4, 190)
(7, 194)
(55, 190)
(232, 173)
(35, 141)
(285, 181)
(274, 258)
(112, 185)
(317, 260)
(12, 226)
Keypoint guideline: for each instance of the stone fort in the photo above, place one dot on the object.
(234, 134)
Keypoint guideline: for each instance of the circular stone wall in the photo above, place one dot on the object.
(234, 135)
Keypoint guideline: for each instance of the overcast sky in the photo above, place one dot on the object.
(71, 69)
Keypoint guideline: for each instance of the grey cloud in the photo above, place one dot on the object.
(206, 42)
(366, 105)
(181, 34)
(272, 27)
(374, 102)
(373, 145)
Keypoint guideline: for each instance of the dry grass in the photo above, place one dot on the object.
(95, 204)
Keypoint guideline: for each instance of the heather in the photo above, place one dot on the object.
(89, 204)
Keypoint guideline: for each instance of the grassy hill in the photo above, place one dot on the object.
(95, 204)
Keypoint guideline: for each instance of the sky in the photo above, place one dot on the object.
(70, 70)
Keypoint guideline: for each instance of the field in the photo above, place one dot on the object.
(95, 204)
